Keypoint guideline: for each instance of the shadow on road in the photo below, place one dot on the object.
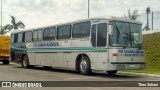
(94, 74)
(1, 64)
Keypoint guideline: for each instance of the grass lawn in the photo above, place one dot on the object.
(152, 54)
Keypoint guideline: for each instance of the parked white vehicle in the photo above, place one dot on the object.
(107, 44)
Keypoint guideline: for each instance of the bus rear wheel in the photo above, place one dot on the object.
(25, 62)
(84, 66)
(6, 62)
(112, 72)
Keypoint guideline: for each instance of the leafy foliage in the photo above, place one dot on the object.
(14, 25)
(134, 15)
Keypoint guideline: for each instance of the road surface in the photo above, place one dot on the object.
(14, 72)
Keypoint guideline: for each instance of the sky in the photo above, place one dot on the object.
(39, 13)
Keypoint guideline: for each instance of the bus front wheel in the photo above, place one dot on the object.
(25, 62)
(112, 72)
(84, 66)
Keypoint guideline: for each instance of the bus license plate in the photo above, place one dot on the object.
(132, 66)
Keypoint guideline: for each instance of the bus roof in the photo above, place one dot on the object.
(81, 20)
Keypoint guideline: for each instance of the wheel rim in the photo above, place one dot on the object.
(25, 62)
(83, 65)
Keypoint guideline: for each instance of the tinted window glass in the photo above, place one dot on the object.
(46, 33)
(93, 36)
(101, 35)
(50, 34)
(19, 37)
(81, 30)
(40, 35)
(53, 33)
(15, 38)
(35, 35)
(23, 37)
(28, 37)
(120, 34)
(76, 31)
(60, 33)
(64, 32)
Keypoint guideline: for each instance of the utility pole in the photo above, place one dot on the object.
(1, 19)
(88, 8)
(152, 20)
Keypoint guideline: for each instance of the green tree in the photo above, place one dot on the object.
(14, 25)
(3, 30)
(133, 15)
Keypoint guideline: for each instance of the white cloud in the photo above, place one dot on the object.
(37, 13)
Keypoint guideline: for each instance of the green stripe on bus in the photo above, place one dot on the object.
(61, 49)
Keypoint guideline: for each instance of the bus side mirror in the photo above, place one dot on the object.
(110, 30)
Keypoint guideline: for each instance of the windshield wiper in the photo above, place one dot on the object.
(118, 33)
(126, 40)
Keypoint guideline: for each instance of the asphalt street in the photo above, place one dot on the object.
(14, 72)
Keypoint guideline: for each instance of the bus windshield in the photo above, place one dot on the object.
(126, 34)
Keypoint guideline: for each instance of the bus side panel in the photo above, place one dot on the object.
(40, 58)
(31, 57)
(71, 59)
(98, 60)
(58, 61)
(50, 59)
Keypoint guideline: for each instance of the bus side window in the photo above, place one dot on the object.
(64, 32)
(67, 32)
(23, 37)
(81, 30)
(35, 35)
(93, 36)
(53, 33)
(19, 37)
(60, 32)
(40, 35)
(28, 36)
(46, 34)
(15, 38)
(49, 33)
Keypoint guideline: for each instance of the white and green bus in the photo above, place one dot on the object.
(100, 44)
